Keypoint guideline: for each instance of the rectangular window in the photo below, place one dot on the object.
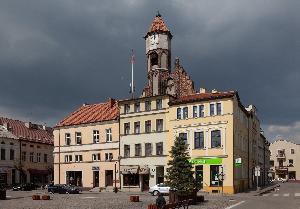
(179, 113)
(147, 105)
(271, 163)
(148, 126)
(126, 128)
(199, 140)
(12, 154)
(67, 138)
(159, 125)
(96, 157)
(159, 148)
(137, 127)
(68, 158)
(148, 149)
(108, 156)
(185, 113)
(201, 110)
(108, 135)
(195, 111)
(45, 158)
(212, 109)
(78, 158)
(126, 150)
(138, 149)
(292, 151)
(131, 179)
(214, 174)
(219, 109)
(216, 138)
(126, 108)
(31, 156)
(38, 157)
(23, 156)
(183, 136)
(2, 154)
(158, 104)
(291, 162)
(78, 137)
(137, 107)
(96, 136)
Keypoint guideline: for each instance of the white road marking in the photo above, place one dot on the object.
(286, 195)
(88, 197)
(266, 195)
(297, 194)
(275, 195)
(232, 206)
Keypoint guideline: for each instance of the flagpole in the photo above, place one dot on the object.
(132, 82)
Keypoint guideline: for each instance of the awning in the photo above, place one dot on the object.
(144, 170)
(38, 172)
(129, 169)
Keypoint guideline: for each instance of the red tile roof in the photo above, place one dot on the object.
(158, 25)
(92, 113)
(202, 97)
(28, 131)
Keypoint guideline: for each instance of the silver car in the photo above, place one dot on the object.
(162, 188)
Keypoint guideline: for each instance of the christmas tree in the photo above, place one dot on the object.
(179, 173)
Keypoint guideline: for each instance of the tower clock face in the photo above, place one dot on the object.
(153, 41)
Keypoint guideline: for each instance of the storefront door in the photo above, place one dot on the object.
(95, 178)
(108, 178)
(199, 176)
(145, 183)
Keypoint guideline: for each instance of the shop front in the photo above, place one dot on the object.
(74, 178)
(135, 178)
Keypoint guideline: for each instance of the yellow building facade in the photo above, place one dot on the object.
(87, 147)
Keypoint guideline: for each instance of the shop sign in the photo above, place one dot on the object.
(238, 162)
(207, 161)
(95, 168)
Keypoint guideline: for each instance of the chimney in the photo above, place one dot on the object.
(85, 104)
(202, 90)
(28, 124)
(214, 91)
(111, 102)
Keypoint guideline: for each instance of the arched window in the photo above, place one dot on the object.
(154, 58)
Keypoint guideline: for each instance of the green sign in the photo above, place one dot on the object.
(206, 161)
(238, 162)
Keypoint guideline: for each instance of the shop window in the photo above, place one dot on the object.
(131, 179)
(214, 176)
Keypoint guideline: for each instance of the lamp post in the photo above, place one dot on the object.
(116, 189)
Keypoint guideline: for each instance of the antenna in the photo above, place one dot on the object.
(132, 89)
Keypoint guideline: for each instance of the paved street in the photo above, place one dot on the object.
(287, 197)
(103, 200)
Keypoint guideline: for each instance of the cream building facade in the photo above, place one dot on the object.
(87, 147)
(285, 160)
(143, 139)
(26, 151)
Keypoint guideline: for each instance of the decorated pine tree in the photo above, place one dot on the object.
(179, 174)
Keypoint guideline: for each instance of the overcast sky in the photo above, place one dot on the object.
(56, 55)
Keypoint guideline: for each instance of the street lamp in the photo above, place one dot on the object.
(115, 188)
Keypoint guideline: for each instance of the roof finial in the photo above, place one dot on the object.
(158, 14)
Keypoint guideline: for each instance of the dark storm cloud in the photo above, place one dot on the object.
(56, 55)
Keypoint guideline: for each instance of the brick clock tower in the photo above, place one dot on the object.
(158, 52)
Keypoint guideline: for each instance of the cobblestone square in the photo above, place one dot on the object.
(102, 200)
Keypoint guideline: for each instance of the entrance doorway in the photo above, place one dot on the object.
(199, 176)
(108, 177)
(145, 185)
(95, 178)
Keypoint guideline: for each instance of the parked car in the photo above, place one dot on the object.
(63, 189)
(282, 180)
(159, 188)
(25, 187)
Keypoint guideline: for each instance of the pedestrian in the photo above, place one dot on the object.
(160, 201)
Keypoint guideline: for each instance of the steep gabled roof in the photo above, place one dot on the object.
(158, 26)
(28, 131)
(92, 113)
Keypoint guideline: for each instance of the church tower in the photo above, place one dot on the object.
(158, 53)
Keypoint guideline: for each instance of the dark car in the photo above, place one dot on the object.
(63, 189)
(25, 187)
